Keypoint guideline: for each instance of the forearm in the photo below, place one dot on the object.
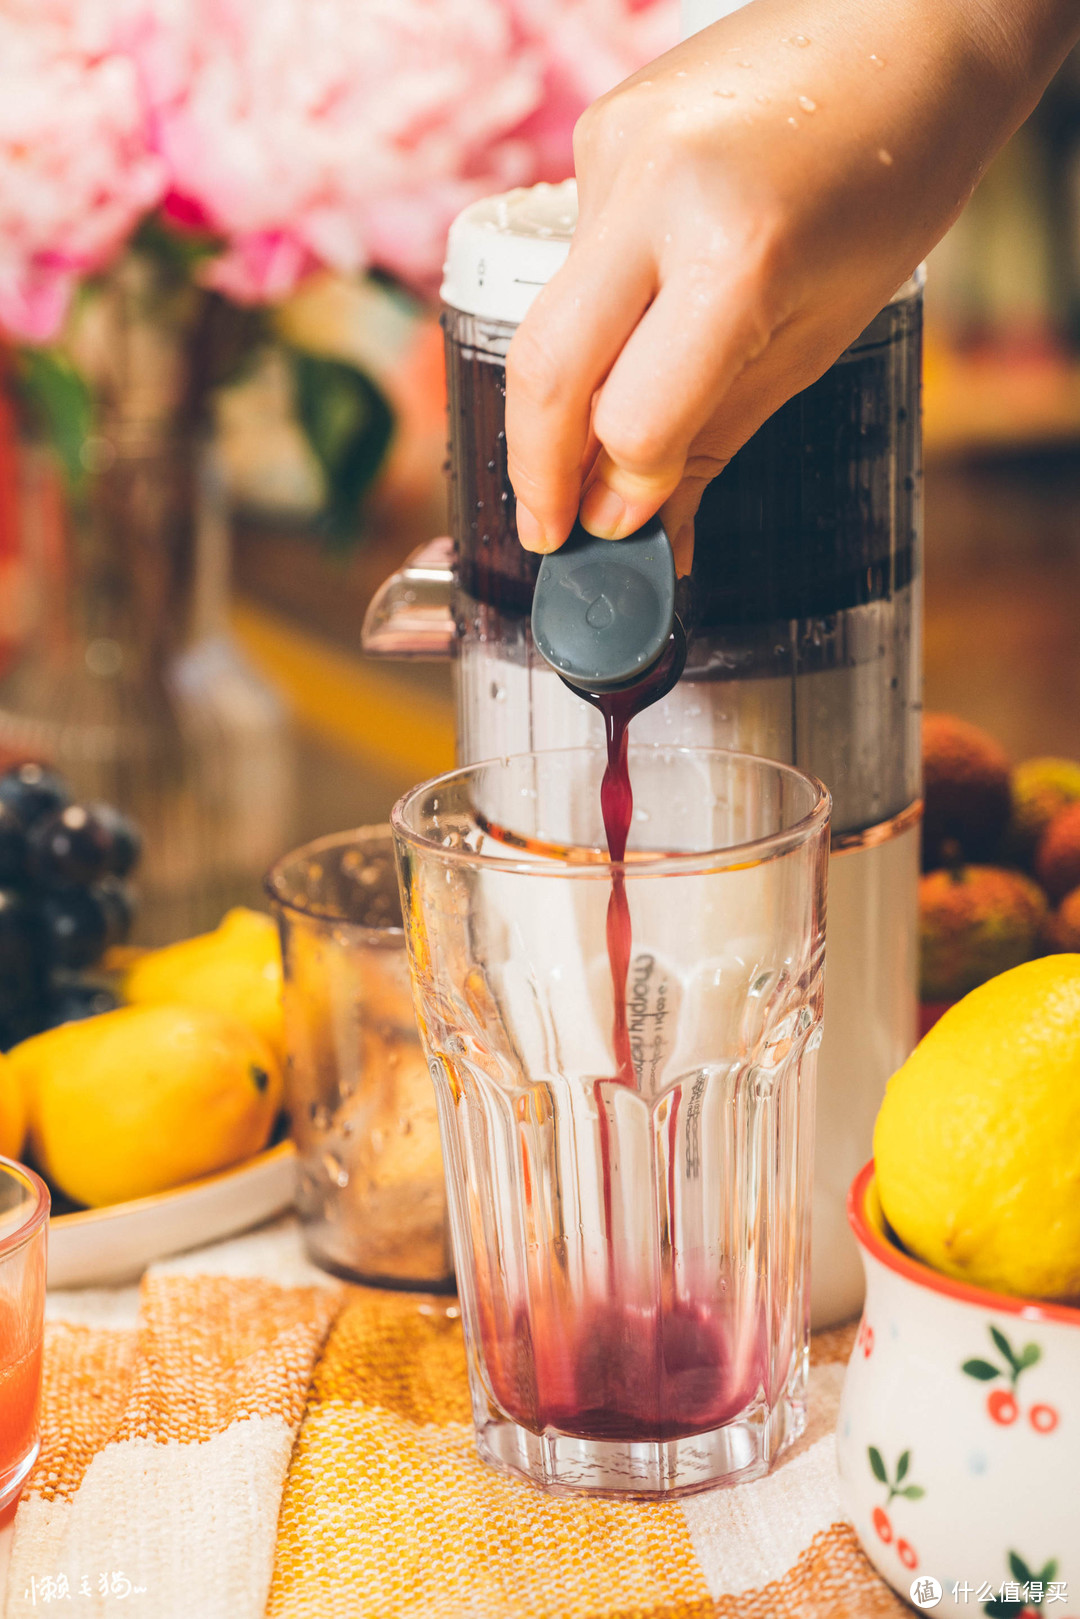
(747, 204)
(937, 86)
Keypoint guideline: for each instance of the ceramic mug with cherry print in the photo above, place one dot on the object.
(959, 1430)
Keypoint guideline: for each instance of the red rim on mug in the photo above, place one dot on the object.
(872, 1233)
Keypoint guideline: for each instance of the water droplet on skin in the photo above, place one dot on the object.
(335, 1170)
(884, 157)
(764, 100)
(800, 40)
(794, 122)
(807, 105)
(877, 60)
(725, 95)
(746, 64)
(681, 74)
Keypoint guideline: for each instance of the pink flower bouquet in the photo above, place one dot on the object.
(241, 144)
(77, 170)
(294, 133)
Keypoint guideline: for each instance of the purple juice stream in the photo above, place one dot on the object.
(617, 808)
(613, 1366)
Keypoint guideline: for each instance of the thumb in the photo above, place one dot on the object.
(616, 500)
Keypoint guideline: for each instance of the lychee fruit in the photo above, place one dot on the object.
(1061, 930)
(974, 923)
(1041, 789)
(967, 799)
(1057, 858)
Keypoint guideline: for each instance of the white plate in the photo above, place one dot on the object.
(105, 1247)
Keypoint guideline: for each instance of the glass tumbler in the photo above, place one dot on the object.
(24, 1221)
(630, 1236)
(370, 1189)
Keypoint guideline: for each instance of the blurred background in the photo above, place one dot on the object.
(222, 412)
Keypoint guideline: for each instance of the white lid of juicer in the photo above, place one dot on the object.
(502, 250)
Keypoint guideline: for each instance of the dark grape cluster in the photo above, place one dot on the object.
(64, 900)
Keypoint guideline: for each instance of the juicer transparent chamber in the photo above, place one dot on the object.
(803, 612)
(803, 623)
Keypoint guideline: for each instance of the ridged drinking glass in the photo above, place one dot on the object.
(631, 1254)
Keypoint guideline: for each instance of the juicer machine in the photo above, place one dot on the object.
(802, 614)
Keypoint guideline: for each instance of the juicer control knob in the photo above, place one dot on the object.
(604, 610)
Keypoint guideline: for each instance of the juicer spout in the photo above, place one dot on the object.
(410, 615)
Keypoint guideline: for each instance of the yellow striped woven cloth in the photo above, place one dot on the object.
(240, 1438)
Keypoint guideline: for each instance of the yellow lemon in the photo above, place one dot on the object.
(234, 969)
(145, 1098)
(12, 1110)
(977, 1145)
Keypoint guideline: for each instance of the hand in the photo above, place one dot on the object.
(747, 204)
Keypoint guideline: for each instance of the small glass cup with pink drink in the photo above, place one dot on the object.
(24, 1220)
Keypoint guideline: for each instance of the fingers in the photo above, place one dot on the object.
(698, 335)
(558, 359)
(798, 354)
(679, 510)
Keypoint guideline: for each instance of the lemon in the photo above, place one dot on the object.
(146, 1098)
(12, 1111)
(234, 969)
(977, 1145)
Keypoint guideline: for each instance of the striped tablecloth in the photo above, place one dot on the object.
(241, 1437)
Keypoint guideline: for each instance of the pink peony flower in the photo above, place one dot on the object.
(349, 132)
(588, 46)
(76, 170)
(302, 132)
